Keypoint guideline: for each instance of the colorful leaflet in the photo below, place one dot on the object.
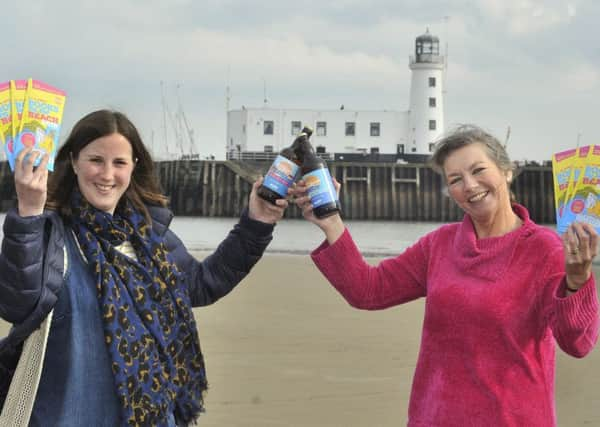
(573, 205)
(42, 117)
(18, 88)
(579, 164)
(582, 200)
(562, 166)
(587, 188)
(5, 117)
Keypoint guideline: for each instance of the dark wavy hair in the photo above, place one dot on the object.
(143, 189)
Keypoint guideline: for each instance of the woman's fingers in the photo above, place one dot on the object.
(25, 170)
(31, 181)
(337, 186)
(44, 162)
(581, 241)
(21, 162)
(593, 240)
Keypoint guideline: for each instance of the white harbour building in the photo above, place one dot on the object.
(353, 135)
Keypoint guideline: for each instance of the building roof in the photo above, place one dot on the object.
(427, 38)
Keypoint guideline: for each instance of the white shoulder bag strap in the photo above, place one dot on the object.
(18, 405)
(23, 386)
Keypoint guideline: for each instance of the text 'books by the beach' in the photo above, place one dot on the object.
(31, 113)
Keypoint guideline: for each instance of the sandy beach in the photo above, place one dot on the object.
(284, 349)
(292, 352)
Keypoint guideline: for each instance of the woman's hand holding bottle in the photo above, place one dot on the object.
(262, 210)
(332, 225)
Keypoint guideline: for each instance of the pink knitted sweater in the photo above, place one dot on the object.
(494, 309)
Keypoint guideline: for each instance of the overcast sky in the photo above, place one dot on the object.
(531, 65)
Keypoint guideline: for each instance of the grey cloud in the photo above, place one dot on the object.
(115, 53)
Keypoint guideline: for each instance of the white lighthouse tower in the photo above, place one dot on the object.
(259, 133)
(426, 114)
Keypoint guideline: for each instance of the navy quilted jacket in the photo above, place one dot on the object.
(31, 271)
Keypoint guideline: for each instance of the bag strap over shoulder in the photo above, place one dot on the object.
(21, 393)
(23, 387)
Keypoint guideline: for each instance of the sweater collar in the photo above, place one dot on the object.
(467, 243)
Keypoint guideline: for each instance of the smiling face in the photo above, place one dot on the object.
(104, 168)
(477, 184)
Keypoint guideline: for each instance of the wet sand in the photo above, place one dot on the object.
(284, 349)
(292, 352)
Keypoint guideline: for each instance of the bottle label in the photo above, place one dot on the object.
(320, 187)
(281, 175)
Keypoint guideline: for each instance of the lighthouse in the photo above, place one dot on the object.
(426, 105)
(352, 134)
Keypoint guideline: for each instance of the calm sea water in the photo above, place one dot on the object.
(379, 238)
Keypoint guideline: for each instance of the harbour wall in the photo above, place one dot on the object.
(370, 191)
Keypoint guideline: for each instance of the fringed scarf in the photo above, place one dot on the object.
(149, 327)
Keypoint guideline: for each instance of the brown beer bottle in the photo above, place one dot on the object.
(283, 172)
(318, 180)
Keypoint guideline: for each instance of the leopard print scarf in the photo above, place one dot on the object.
(149, 327)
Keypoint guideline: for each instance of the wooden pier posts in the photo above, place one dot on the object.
(370, 191)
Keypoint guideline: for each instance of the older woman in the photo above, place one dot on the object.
(93, 244)
(500, 291)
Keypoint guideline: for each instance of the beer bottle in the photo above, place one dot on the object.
(282, 173)
(318, 180)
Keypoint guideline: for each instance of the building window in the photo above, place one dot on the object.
(431, 147)
(432, 125)
(321, 149)
(432, 102)
(268, 127)
(375, 130)
(296, 128)
(268, 148)
(321, 128)
(400, 148)
(350, 128)
(431, 81)
(414, 150)
(374, 150)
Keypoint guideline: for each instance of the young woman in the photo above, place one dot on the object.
(92, 243)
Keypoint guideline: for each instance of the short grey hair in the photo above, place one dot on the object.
(467, 134)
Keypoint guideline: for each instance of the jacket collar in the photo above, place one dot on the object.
(161, 218)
